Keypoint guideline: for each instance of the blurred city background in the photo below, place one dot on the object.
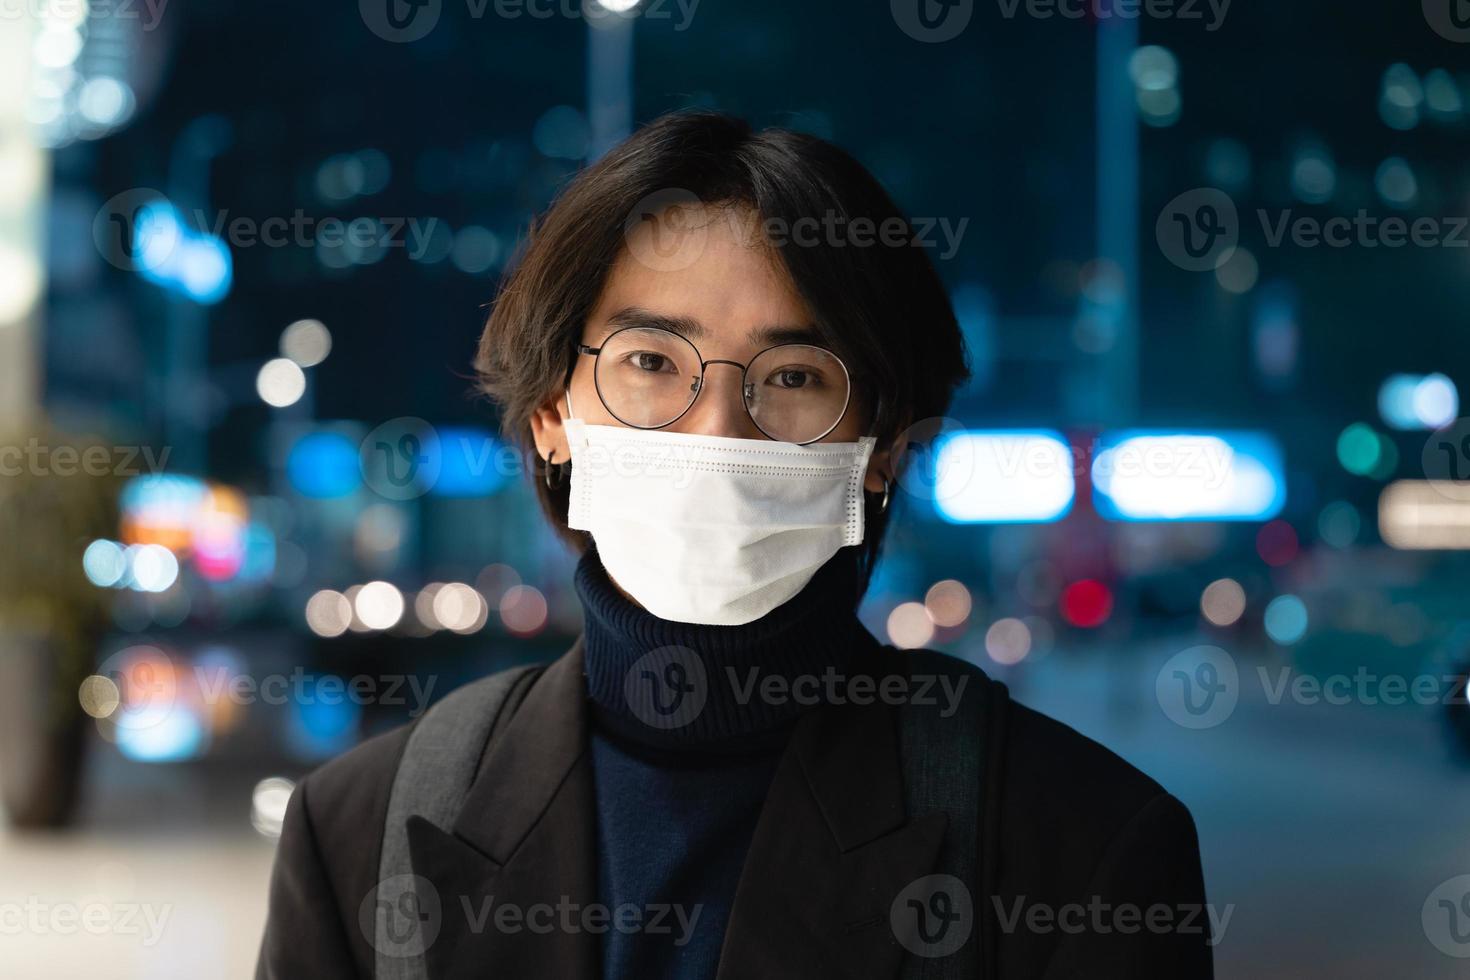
(1206, 498)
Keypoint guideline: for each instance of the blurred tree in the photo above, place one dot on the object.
(57, 494)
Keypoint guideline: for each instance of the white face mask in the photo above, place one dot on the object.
(712, 530)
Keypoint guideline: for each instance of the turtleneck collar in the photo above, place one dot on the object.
(634, 661)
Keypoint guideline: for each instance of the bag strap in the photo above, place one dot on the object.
(434, 775)
(949, 767)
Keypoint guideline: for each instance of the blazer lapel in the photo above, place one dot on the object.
(515, 872)
(832, 850)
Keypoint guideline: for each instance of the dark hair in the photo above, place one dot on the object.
(882, 308)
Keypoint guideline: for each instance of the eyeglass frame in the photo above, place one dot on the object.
(699, 382)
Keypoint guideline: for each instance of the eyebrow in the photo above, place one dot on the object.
(774, 336)
(687, 326)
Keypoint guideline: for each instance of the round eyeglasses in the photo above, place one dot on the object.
(649, 377)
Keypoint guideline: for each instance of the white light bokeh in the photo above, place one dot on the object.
(459, 608)
(281, 382)
(268, 805)
(379, 605)
(20, 284)
(106, 102)
(1436, 401)
(1008, 641)
(1003, 477)
(328, 613)
(153, 568)
(105, 563)
(306, 342)
(909, 626)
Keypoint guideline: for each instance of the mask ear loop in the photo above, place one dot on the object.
(554, 483)
(883, 505)
(873, 434)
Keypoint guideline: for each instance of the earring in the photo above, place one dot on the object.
(550, 464)
(883, 507)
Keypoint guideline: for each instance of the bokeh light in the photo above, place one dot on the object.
(523, 610)
(1360, 449)
(948, 603)
(1239, 273)
(306, 342)
(1339, 524)
(1286, 619)
(909, 626)
(280, 383)
(1087, 604)
(328, 613)
(1223, 602)
(1277, 544)
(268, 802)
(99, 696)
(1008, 641)
(379, 605)
(459, 608)
(105, 563)
(152, 568)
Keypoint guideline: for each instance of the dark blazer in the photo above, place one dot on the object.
(1087, 852)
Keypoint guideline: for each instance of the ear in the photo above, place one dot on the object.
(548, 431)
(882, 464)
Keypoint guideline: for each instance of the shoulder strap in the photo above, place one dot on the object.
(434, 776)
(947, 768)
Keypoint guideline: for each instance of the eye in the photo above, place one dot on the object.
(650, 361)
(794, 377)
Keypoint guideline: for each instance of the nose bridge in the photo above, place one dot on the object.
(719, 409)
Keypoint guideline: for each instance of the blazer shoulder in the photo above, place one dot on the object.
(352, 791)
(359, 780)
(1078, 824)
(1058, 784)
(1042, 754)
(1038, 744)
(327, 863)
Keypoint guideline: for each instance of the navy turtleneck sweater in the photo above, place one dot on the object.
(683, 750)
